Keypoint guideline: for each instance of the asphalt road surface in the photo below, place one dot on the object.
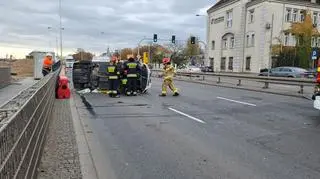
(206, 133)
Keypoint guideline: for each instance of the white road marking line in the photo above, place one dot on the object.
(240, 102)
(187, 115)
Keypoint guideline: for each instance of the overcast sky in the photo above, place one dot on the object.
(24, 23)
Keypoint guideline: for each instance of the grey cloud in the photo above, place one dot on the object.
(124, 22)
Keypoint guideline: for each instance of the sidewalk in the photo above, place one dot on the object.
(14, 88)
(60, 157)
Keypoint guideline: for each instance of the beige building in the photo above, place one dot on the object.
(239, 31)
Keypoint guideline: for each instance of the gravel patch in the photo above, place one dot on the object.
(60, 158)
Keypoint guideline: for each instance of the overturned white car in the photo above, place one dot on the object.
(92, 74)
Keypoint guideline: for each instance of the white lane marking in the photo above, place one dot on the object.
(240, 102)
(187, 115)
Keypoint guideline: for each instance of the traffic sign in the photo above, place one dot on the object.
(314, 54)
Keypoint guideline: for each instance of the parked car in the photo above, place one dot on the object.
(190, 69)
(207, 69)
(290, 72)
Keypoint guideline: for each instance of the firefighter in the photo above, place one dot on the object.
(132, 69)
(123, 77)
(47, 64)
(168, 73)
(113, 78)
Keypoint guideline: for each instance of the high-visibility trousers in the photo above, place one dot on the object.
(168, 82)
(113, 86)
(132, 85)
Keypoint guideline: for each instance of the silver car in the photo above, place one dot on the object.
(291, 72)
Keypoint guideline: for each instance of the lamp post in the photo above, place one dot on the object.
(60, 28)
(56, 38)
(206, 56)
(270, 53)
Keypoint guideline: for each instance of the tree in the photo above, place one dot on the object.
(82, 55)
(304, 32)
(125, 52)
(192, 49)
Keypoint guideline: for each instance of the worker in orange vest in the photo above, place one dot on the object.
(47, 64)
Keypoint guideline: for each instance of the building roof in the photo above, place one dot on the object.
(225, 2)
(219, 4)
(307, 3)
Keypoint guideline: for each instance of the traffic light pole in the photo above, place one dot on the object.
(206, 56)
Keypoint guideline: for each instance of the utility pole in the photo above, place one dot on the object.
(60, 28)
(149, 52)
(270, 53)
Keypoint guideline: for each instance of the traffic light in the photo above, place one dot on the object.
(145, 57)
(193, 40)
(173, 39)
(155, 37)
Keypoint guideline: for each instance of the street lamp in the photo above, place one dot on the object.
(207, 36)
(60, 28)
(57, 43)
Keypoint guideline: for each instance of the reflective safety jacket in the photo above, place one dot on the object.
(132, 68)
(113, 72)
(47, 63)
(168, 72)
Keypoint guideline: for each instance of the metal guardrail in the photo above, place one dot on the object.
(23, 125)
(265, 81)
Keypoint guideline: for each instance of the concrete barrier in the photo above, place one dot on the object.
(5, 76)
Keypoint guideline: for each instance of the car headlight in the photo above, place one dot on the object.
(317, 89)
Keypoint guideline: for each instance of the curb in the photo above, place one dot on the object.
(95, 163)
(88, 169)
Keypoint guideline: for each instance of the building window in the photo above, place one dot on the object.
(248, 38)
(229, 19)
(224, 43)
(318, 42)
(302, 16)
(315, 18)
(230, 63)
(213, 44)
(294, 40)
(212, 62)
(223, 63)
(314, 42)
(286, 39)
(232, 42)
(251, 16)
(248, 63)
(288, 15)
(252, 39)
(295, 15)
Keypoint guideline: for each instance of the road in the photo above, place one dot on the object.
(206, 133)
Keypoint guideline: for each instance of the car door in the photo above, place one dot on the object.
(275, 72)
(284, 72)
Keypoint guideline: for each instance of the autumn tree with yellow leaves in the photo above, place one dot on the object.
(304, 32)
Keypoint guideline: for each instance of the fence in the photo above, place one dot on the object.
(23, 125)
(238, 80)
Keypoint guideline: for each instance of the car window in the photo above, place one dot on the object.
(286, 70)
(276, 69)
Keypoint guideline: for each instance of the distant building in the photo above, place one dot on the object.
(239, 31)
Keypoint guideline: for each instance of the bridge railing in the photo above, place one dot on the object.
(239, 79)
(23, 125)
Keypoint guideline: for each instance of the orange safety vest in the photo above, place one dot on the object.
(47, 63)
